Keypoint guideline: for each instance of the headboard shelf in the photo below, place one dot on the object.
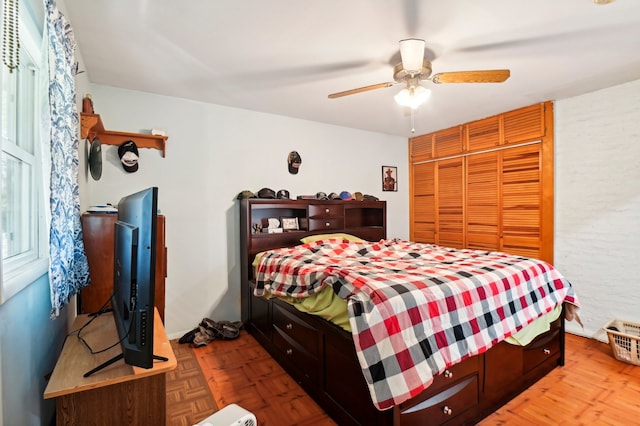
(364, 219)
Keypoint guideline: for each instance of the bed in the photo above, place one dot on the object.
(434, 335)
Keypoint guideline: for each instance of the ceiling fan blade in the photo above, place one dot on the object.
(361, 89)
(488, 76)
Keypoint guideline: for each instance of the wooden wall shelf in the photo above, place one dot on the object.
(91, 127)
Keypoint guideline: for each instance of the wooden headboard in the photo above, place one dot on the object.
(364, 219)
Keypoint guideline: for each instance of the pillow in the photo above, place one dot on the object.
(348, 237)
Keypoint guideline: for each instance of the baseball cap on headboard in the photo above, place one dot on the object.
(266, 193)
(283, 194)
(128, 153)
(346, 195)
(245, 194)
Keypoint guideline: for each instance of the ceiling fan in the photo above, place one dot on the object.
(415, 68)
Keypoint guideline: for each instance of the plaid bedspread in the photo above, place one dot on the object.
(416, 309)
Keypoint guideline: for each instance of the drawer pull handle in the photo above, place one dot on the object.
(446, 410)
(327, 224)
(448, 374)
(289, 326)
(326, 210)
(546, 351)
(289, 352)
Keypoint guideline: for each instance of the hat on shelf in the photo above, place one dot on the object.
(246, 194)
(283, 194)
(321, 196)
(334, 196)
(266, 193)
(357, 196)
(128, 153)
(346, 195)
(367, 197)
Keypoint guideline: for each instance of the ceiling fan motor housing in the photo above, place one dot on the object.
(401, 75)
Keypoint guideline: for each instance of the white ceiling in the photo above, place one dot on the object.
(285, 56)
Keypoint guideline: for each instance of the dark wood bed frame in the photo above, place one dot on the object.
(321, 356)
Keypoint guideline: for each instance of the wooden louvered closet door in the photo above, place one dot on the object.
(449, 202)
(483, 204)
(522, 201)
(486, 185)
(424, 203)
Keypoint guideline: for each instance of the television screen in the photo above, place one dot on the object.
(132, 300)
(134, 275)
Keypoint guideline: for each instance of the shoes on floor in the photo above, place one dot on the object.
(189, 336)
(209, 330)
(225, 330)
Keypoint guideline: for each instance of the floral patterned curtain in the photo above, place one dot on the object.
(68, 266)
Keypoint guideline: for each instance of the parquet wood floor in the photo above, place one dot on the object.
(241, 372)
(593, 388)
(189, 399)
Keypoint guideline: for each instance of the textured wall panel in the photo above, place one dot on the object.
(597, 232)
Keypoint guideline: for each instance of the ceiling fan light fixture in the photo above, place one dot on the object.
(412, 97)
(412, 54)
(603, 1)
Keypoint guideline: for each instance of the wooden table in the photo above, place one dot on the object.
(117, 394)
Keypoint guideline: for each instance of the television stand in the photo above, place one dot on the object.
(118, 358)
(121, 394)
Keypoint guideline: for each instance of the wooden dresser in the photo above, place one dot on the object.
(98, 236)
(119, 394)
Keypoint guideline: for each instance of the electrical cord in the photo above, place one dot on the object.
(103, 309)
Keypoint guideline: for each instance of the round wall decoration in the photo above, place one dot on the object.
(95, 159)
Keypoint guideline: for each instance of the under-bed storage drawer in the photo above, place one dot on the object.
(542, 348)
(453, 374)
(297, 343)
(295, 329)
(452, 393)
(454, 402)
(303, 366)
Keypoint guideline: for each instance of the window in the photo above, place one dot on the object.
(23, 242)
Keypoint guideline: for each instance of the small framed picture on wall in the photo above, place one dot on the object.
(389, 178)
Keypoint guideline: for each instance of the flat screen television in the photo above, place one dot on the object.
(132, 300)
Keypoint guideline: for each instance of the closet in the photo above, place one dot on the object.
(486, 184)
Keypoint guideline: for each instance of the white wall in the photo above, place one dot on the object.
(213, 153)
(597, 227)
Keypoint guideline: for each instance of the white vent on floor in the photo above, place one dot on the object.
(231, 415)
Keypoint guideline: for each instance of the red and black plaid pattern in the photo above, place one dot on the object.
(416, 309)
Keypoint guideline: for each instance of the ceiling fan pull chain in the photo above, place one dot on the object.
(10, 35)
